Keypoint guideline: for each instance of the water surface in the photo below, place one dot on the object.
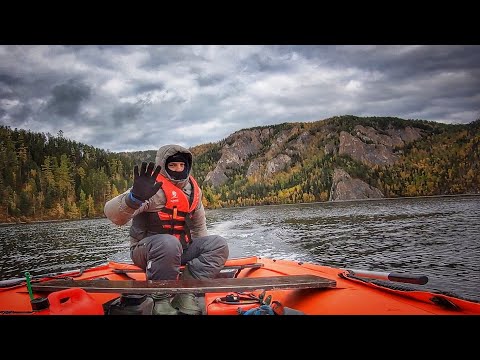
(437, 237)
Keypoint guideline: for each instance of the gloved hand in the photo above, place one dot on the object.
(144, 185)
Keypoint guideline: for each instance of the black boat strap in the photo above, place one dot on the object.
(217, 285)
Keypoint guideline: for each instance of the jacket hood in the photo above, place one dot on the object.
(165, 152)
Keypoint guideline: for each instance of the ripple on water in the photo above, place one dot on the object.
(437, 237)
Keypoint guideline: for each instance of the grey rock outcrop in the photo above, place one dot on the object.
(243, 144)
(344, 187)
(371, 147)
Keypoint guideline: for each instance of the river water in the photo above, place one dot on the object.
(435, 236)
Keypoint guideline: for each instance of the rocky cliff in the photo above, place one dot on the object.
(263, 153)
(372, 147)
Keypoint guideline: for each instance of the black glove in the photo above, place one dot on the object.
(144, 186)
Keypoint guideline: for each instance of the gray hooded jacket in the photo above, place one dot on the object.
(118, 212)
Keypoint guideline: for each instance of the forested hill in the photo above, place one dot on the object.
(46, 177)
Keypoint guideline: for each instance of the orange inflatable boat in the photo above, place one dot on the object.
(246, 286)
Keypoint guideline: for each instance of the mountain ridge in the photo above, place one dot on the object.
(340, 158)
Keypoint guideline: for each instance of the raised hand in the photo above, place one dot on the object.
(144, 182)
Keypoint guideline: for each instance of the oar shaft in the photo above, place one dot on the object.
(392, 276)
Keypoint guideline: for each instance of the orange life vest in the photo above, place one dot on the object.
(177, 208)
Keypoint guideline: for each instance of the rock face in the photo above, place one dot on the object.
(346, 188)
(239, 147)
(246, 144)
(371, 147)
(261, 153)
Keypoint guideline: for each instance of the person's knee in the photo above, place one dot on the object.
(219, 246)
(223, 246)
(165, 245)
(164, 258)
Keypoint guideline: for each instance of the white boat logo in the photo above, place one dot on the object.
(174, 194)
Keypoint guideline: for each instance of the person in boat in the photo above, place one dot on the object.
(168, 227)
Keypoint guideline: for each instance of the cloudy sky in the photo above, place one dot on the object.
(128, 98)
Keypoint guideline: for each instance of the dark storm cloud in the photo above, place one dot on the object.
(8, 85)
(210, 80)
(137, 97)
(397, 62)
(20, 114)
(67, 98)
(420, 61)
(126, 113)
(10, 80)
(264, 63)
(5, 94)
(168, 54)
(147, 87)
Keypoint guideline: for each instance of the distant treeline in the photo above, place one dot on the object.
(46, 177)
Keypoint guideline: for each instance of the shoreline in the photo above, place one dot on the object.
(3, 224)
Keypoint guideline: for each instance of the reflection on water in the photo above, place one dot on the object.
(437, 237)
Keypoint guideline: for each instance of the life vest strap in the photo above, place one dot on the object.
(170, 212)
(172, 222)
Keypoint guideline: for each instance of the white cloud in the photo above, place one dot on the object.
(141, 96)
(114, 87)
